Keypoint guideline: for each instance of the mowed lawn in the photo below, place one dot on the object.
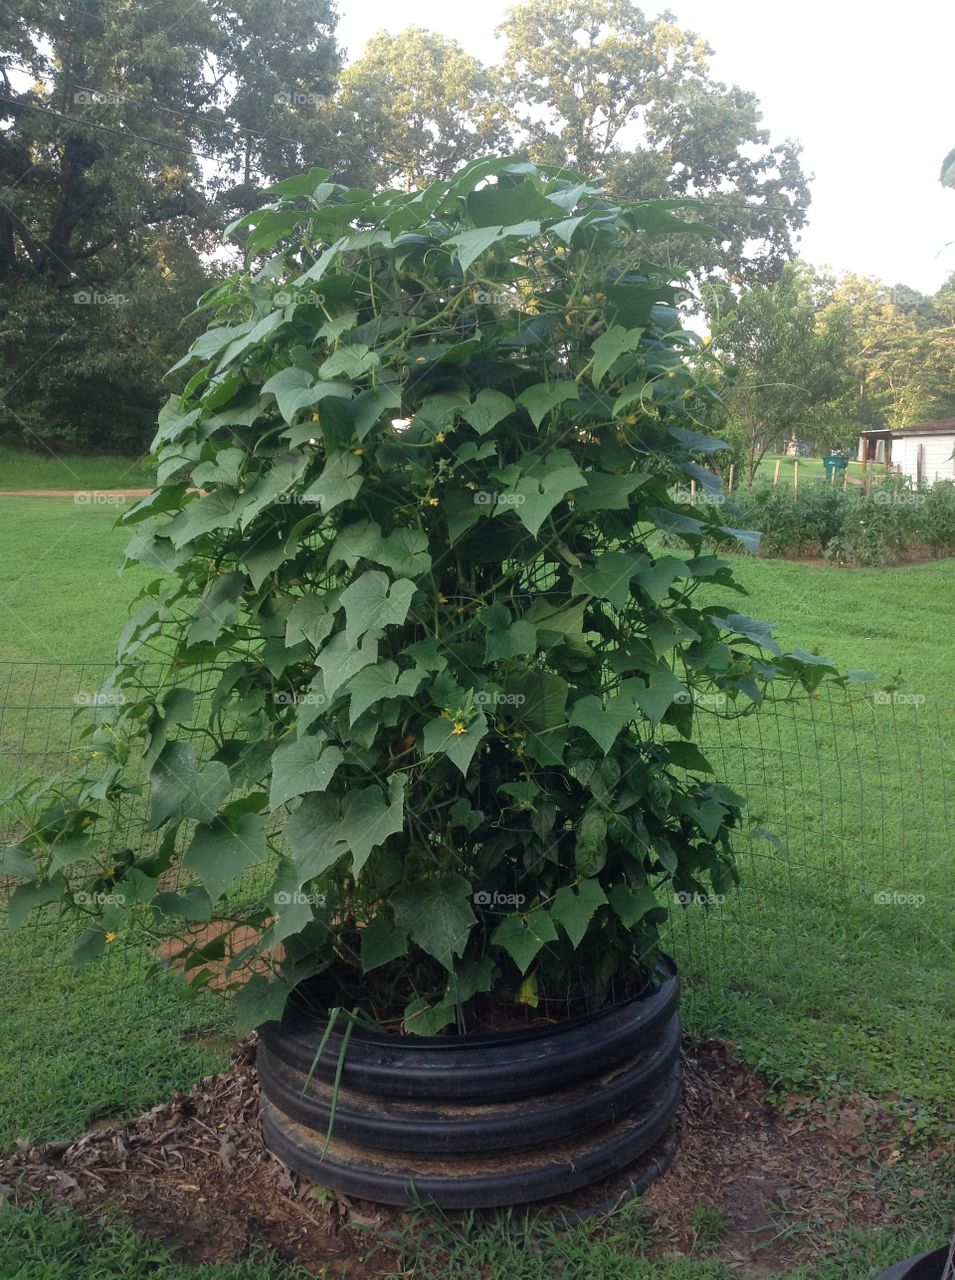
(44, 468)
(813, 979)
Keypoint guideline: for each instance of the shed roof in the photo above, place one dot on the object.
(941, 426)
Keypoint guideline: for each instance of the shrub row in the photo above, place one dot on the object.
(850, 526)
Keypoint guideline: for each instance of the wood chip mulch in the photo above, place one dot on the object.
(193, 1171)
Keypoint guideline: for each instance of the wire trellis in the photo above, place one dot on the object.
(848, 814)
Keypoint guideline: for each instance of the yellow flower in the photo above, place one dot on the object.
(420, 360)
(314, 417)
(459, 727)
(601, 296)
(111, 937)
(586, 299)
(434, 502)
(560, 251)
(439, 438)
(632, 420)
(445, 716)
(86, 821)
(97, 754)
(358, 452)
(442, 598)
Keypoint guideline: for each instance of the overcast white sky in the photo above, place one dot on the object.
(867, 88)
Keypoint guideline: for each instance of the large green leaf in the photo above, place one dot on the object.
(300, 765)
(459, 746)
(437, 915)
(469, 245)
(222, 851)
(574, 910)
(381, 942)
(339, 482)
(542, 488)
(380, 681)
(610, 346)
(610, 578)
(218, 608)
(296, 389)
(632, 904)
(179, 790)
(657, 694)
(544, 397)
(27, 897)
(218, 510)
(603, 720)
(369, 817)
(373, 600)
(487, 410)
(324, 828)
(315, 836)
(340, 659)
(349, 362)
(947, 176)
(608, 492)
(523, 936)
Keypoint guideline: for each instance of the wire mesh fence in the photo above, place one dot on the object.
(846, 880)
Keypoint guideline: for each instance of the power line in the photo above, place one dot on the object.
(193, 115)
(119, 133)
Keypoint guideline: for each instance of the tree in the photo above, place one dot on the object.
(417, 108)
(787, 362)
(901, 351)
(112, 119)
(598, 85)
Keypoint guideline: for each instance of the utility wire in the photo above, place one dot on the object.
(119, 133)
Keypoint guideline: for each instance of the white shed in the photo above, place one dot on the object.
(925, 453)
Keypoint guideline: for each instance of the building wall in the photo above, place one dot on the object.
(937, 460)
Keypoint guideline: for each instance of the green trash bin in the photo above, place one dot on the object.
(835, 462)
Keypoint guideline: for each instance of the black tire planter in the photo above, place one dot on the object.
(927, 1266)
(477, 1121)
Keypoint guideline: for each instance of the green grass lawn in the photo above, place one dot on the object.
(37, 1243)
(809, 469)
(816, 982)
(42, 469)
